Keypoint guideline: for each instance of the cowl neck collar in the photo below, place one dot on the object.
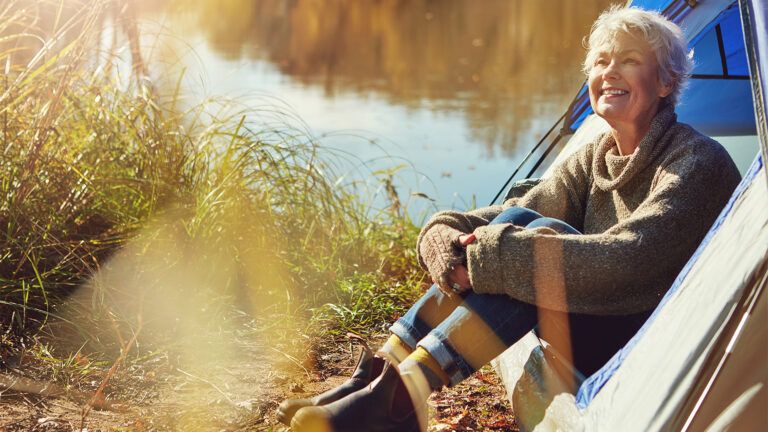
(652, 144)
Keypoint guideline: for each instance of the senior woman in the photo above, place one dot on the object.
(597, 244)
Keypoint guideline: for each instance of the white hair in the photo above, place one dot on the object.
(665, 38)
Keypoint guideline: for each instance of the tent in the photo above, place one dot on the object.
(700, 362)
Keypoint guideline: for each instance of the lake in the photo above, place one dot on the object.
(450, 93)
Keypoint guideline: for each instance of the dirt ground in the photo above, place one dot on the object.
(237, 394)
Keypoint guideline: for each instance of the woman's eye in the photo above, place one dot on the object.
(601, 62)
(630, 61)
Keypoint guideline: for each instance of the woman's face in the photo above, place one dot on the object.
(624, 84)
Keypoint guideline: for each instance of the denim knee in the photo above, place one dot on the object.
(519, 216)
(555, 224)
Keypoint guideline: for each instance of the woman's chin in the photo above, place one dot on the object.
(611, 113)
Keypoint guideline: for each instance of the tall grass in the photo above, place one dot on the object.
(96, 167)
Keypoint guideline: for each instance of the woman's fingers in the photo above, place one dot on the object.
(459, 279)
(443, 285)
(455, 282)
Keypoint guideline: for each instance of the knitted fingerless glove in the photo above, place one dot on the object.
(440, 250)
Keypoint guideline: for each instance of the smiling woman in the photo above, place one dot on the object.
(632, 71)
(584, 255)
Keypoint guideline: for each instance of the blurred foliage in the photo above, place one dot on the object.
(120, 208)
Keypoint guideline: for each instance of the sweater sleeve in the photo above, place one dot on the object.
(623, 270)
(561, 196)
(465, 222)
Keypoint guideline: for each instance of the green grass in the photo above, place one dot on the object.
(113, 200)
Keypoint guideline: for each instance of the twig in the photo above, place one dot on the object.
(26, 385)
(46, 389)
(293, 359)
(209, 383)
(98, 398)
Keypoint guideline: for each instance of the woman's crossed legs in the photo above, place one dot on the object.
(464, 332)
(441, 340)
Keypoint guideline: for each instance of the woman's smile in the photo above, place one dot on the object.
(613, 92)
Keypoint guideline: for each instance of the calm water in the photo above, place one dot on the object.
(456, 90)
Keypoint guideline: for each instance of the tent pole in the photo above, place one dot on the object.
(528, 156)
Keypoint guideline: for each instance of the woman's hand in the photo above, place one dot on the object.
(443, 251)
(456, 280)
(460, 276)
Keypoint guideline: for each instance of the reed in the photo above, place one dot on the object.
(100, 170)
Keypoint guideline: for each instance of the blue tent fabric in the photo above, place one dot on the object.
(657, 5)
(730, 90)
(707, 51)
(592, 385)
(734, 46)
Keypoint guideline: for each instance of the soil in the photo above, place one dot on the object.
(238, 393)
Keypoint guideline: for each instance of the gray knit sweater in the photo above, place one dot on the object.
(642, 217)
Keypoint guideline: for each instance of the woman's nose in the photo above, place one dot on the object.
(611, 70)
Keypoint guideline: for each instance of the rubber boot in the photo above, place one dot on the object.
(383, 406)
(367, 369)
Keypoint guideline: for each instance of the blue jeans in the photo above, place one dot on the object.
(465, 332)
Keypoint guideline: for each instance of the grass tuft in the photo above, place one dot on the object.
(113, 199)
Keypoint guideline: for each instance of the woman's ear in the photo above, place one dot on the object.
(665, 89)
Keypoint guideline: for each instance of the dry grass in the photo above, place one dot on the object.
(143, 244)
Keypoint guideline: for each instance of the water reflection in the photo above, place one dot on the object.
(427, 79)
(506, 64)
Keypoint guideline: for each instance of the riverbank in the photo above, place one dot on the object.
(159, 395)
(149, 249)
